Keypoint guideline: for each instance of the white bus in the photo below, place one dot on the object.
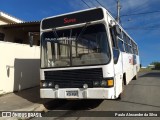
(86, 55)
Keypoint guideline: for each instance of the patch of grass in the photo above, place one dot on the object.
(145, 69)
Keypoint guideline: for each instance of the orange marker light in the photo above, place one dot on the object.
(110, 82)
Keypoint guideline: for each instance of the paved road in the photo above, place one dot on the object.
(140, 95)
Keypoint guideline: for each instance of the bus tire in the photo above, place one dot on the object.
(135, 77)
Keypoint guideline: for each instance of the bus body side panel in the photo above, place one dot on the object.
(128, 68)
(138, 63)
(118, 71)
(135, 65)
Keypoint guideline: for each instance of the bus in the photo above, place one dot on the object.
(86, 55)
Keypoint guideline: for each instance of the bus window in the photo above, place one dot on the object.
(132, 43)
(133, 49)
(130, 49)
(120, 45)
(129, 41)
(112, 39)
(136, 50)
(124, 38)
(126, 47)
(90, 48)
(120, 35)
(116, 55)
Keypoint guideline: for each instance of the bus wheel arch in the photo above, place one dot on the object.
(123, 84)
(135, 77)
(124, 79)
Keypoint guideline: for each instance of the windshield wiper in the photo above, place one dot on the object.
(55, 33)
(82, 31)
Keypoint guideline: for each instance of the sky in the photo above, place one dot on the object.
(143, 28)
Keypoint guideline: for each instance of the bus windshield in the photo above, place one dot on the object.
(87, 45)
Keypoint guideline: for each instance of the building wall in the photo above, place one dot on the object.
(11, 35)
(19, 66)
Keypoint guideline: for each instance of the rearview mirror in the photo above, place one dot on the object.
(116, 29)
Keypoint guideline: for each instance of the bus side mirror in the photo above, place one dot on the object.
(30, 39)
(116, 29)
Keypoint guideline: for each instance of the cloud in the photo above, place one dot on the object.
(132, 5)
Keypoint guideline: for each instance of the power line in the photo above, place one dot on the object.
(140, 7)
(144, 27)
(140, 13)
(141, 28)
(85, 3)
(100, 3)
(104, 7)
(92, 3)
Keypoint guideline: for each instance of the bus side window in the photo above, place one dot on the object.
(115, 55)
(113, 39)
(120, 45)
(120, 35)
(125, 39)
(126, 47)
(133, 49)
(136, 50)
(130, 49)
(114, 46)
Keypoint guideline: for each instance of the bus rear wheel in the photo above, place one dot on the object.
(135, 77)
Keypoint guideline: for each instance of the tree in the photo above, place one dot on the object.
(157, 65)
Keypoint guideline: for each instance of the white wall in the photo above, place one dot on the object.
(19, 66)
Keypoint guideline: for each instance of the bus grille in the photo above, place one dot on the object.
(74, 78)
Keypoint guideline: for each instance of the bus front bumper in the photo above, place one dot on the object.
(78, 93)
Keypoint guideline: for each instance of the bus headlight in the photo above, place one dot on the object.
(44, 84)
(104, 83)
(56, 86)
(96, 83)
(85, 86)
(50, 84)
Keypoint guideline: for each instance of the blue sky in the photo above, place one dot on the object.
(144, 28)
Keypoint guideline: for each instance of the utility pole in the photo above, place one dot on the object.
(118, 10)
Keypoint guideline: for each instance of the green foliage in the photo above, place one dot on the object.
(157, 65)
(145, 69)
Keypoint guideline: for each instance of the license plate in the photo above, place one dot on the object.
(72, 93)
